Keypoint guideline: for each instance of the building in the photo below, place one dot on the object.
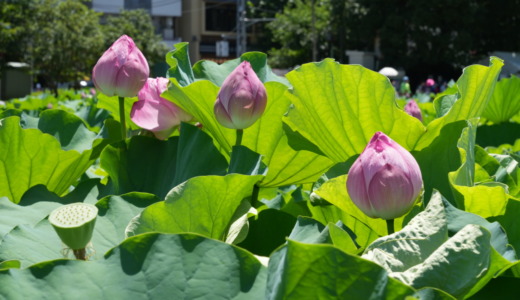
(203, 23)
(164, 13)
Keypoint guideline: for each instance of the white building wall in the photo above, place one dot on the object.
(109, 6)
(171, 8)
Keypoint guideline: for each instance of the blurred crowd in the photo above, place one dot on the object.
(426, 87)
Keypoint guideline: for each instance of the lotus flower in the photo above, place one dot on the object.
(241, 99)
(385, 180)
(122, 70)
(413, 109)
(154, 113)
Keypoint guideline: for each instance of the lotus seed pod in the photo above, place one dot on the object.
(74, 223)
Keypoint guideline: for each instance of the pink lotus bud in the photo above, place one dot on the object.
(241, 99)
(385, 180)
(122, 70)
(154, 113)
(413, 109)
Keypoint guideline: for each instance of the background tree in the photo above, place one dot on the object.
(266, 10)
(13, 34)
(294, 30)
(65, 41)
(138, 25)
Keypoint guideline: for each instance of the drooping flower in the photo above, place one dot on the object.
(413, 109)
(242, 98)
(154, 113)
(122, 70)
(385, 180)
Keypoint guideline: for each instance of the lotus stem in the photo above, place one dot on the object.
(80, 254)
(254, 196)
(390, 226)
(240, 133)
(122, 117)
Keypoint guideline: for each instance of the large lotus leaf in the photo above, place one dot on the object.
(484, 200)
(505, 102)
(444, 248)
(364, 235)
(268, 231)
(180, 67)
(245, 161)
(439, 158)
(266, 137)
(210, 70)
(38, 202)
(509, 220)
(359, 102)
(149, 266)
(475, 88)
(499, 288)
(498, 168)
(203, 205)
(180, 64)
(335, 192)
(56, 158)
(111, 104)
(14, 214)
(310, 231)
(498, 134)
(33, 244)
(339, 108)
(8, 264)
(154, 166)
(318, 271)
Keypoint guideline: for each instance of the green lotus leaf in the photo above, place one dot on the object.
(320, 271)
(55, 155)
(203, 205)
(445, 248)
(266, 137)
(146, 266)
(505, 102)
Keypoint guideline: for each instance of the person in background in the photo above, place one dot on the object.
(405, 87)
(430, 85)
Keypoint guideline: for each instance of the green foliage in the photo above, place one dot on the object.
(13, 35)
(55, 154)
(149, 165)
(293, 29)
(200, 267)
(137, 24)
(62, 49)
(421, 254)
(212, 199)
(505, 102)
(166, 207)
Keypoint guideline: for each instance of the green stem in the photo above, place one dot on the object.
(240, 133)
(80, 254)
(254, 196)
(390, 226)
(122, 117)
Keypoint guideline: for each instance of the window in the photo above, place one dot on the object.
(220, 16)
(136, 4)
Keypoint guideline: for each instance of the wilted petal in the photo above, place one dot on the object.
(153, 115)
